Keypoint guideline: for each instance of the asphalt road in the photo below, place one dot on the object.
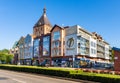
(18, 77)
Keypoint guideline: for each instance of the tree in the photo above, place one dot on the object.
(112, 56)
(2, 57)
(6, 51)
(9, 58)
(5, 57)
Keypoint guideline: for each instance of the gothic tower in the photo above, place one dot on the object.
(43, 25)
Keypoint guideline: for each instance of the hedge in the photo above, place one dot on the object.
(61, 72)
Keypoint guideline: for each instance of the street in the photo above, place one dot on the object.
(18, 77)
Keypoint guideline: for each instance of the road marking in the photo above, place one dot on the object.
(18, 80)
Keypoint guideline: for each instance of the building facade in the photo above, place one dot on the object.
(116, 53)
(70, 46)
(21, 50)
(85, 47)
(36, 51)
(15, 52)
(57, 45)
(41, 32)
(28, 49)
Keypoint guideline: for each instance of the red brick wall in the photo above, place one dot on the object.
(117, 61)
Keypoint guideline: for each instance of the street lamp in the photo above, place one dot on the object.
(73, 60)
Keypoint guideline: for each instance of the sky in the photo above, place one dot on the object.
(17, 17)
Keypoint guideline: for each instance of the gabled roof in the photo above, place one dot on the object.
(43, 19)
(56, 26)
(21, 40)
(15, 44)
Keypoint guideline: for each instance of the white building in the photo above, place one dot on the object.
(84, 45)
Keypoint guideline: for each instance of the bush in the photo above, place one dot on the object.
(37, 70)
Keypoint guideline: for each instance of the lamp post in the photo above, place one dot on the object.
(73, 60)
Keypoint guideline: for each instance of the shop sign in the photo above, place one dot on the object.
(71, 44)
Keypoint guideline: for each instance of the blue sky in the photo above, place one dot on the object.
(17, 17)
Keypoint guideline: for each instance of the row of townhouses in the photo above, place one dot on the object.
(70, 46)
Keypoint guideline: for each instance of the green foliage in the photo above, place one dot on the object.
(61, 72)
(9, 58)
(38, 70)
(112, 56)
(5, 57)
(2, 57)
(5, 51)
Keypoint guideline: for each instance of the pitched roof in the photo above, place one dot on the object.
(15, 44)
(43, 19)
(21, 40)
(56, 26)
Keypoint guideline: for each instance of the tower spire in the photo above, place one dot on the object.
(43, 19)
(44, 10)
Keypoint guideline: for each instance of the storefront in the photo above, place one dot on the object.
(36, 52)
(28, 61)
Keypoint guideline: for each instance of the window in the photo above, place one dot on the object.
(46, 45)
(56, 52)
(55, 44)
(93, 51)
(106, 49)
(36, 47)
(78, 45)
(93, 44)
(56, 35)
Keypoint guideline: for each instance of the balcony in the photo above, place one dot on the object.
(100, 43)
(110, 49)
(100, 49)
(100, 55)
(83, 52)
(86, 52)
(87, 45)
(110, 53)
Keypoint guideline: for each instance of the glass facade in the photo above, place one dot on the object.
(83, 46)
(46, 46)
(56, 44)
(56, 52)
(56, 35)
(21, 51)
(36, 47)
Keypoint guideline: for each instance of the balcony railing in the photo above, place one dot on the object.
(100, 55)
(100, 49)
(87, 45)
(100, 43)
